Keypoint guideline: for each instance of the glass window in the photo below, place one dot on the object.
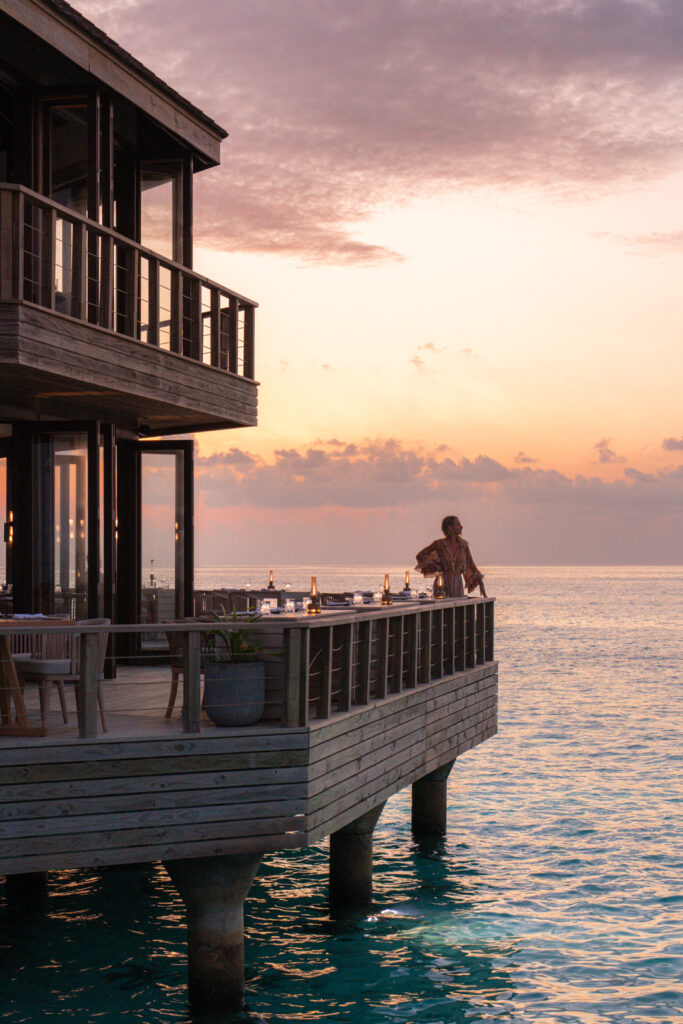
(61, 524)
(68, 140)
(159, 182)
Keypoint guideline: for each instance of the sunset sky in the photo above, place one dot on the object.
(462, 222)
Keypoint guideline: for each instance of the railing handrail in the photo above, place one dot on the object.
(277, 622)
(170, 264)
(332, 662)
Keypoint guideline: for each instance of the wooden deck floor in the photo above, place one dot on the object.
(135, 706)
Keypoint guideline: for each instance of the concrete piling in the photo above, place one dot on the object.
(351, 862)
(429, 800)
(213, 890)
(27, 891)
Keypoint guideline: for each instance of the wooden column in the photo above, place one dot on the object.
(429, 804)
(295, 697)
(191, 682)
(351, 862)
(27, 891)
(213, 890)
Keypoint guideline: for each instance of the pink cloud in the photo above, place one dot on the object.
(383, 500)
(347, 106)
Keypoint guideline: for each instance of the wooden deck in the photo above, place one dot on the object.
(148, 789)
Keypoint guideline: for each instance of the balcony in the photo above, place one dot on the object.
(95, 326)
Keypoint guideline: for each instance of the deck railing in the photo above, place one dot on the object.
(316, 666)
(55, 258)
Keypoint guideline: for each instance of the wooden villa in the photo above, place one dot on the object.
(111, 345)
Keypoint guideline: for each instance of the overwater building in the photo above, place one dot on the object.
(111, 346)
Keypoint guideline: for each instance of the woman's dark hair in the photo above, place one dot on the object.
(445, 523)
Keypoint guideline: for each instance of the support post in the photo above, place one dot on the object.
(213, 890)
(429, 802)
(27, 891)
(351, 862)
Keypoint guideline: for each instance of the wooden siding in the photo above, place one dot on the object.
(114, 801)
(358, 761)
(57, 366)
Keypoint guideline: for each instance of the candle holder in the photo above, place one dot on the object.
(386, 591)
(271, 585)
(439, 590)
(314, 603)
(406, 589)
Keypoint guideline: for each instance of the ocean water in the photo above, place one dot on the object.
(556, 897)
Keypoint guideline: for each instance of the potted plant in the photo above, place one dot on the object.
(234, 674)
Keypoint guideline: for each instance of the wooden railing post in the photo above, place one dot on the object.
(176, 311)
(87, 691)
(295, 695)
(106, 303)
(19, 244)
(214, 327)
(48, 228)
(191, 682)
(249, 361)
(481, 629)
(233, 333)
(7, 255)
(79, 279)
(153, 302)
(489, 644)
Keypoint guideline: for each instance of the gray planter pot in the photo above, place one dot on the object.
(234, 693)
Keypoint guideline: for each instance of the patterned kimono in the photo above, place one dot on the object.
(438, 557)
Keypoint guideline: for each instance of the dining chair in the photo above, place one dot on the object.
(60, 663)
(175, 647)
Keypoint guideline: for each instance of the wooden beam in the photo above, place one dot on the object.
(89, 657)
(191, 682)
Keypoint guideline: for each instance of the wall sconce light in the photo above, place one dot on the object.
(314, 604)
(9, 528)
(271, 585)
(386, 590)
(439, 591)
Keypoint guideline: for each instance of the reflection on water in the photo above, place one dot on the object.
(555, 898)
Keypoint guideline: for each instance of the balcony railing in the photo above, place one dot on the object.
(54, 258)
(317, 667)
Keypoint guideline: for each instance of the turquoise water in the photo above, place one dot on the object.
(556, 896)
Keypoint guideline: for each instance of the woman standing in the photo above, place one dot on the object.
(451, 557)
